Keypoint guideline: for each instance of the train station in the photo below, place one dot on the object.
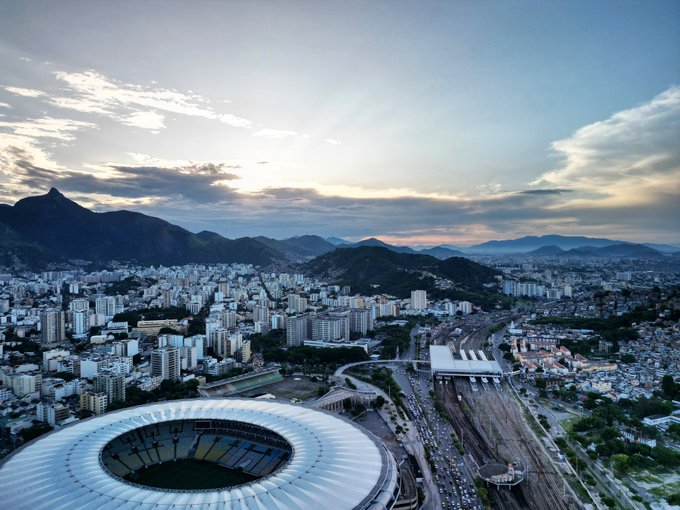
(443, 364)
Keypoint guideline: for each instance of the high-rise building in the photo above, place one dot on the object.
(187, 355)
(418, 300)
(278, 321)
(331, 326)
(165, 296)
(106, 305)
(52, 412)
(53, 327)
(360, 321)
(296, 330)
(219, 340)
(165, 363)
(243, 354)
(296, 304)
(81, 322)
(79, 305)
(228, 319)
(95, 402)
(465, 307)
(260, 314)
(111, 384)
(235, 342)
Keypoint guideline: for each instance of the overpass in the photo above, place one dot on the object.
(341, 369)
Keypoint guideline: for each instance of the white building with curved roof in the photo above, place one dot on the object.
(332, 464)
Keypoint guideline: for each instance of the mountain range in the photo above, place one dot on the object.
(50, 230)
(627, 250)
(565, 243)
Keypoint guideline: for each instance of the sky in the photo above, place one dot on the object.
(419, 123)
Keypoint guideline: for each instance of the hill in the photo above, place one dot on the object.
(621, 250)
(375, 270)
(625, 250)
(570, 245)
(547, 251)
(372, 241)
(53, 229)
(529, 243)
(301, 248)
(442, 252)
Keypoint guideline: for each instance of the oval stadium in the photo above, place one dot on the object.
(232, 454)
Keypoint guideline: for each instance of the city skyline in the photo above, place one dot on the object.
(418, 124)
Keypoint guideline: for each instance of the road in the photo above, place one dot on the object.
(452, 477)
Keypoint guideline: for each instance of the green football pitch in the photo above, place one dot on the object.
(189, 474)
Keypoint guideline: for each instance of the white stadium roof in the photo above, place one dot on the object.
(443, 363)
(333, 464)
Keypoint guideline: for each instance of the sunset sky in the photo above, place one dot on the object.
(417, 122)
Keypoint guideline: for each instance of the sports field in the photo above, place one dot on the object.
(189, 474)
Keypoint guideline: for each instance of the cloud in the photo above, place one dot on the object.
(614, 178)
(555, 191)
(332, 141)
(4, 105)
(628, 158)
(209, 196)
(92, 92)
(29, 143)
(234, 121)
(146, 120)
(46, 127)
(198, 183)
(276, 133)
(24, 92)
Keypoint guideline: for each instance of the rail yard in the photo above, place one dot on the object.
(492, 429)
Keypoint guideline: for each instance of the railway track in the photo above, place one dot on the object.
(474, 443)
(500, 423)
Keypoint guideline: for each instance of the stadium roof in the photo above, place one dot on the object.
(334, 464)
(442, 363)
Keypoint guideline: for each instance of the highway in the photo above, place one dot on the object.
(453, 479)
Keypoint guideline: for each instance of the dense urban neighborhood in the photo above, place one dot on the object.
(588, 348)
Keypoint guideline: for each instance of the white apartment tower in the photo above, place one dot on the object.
(296, 330)
(165, 363)
(418, 300)
(53, 327)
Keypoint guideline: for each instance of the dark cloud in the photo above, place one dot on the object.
(201, 182)
(555, 191)
(192, 197)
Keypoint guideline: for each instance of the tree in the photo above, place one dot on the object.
(673, 499)
(674, 431)
(379, 402)
(34, 431)
(668, 386)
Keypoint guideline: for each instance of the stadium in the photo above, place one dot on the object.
(232, 454)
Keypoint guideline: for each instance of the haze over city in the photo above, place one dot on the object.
(417, 123)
